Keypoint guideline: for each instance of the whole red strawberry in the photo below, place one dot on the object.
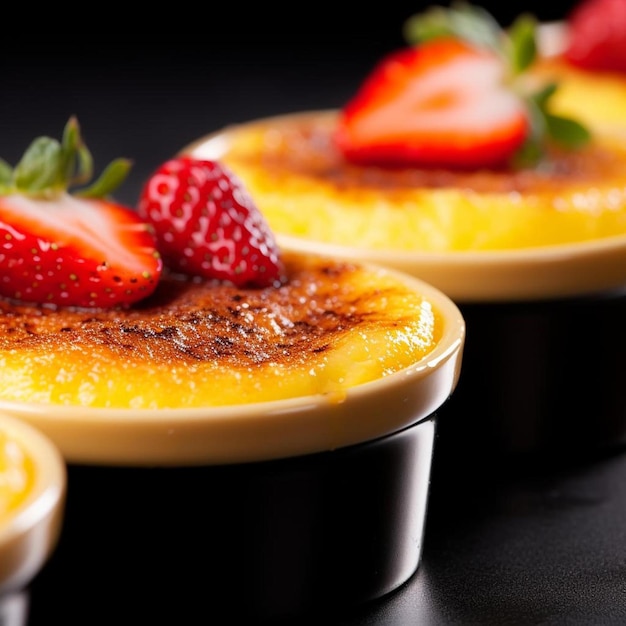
(208, 225)
(76, 248)
(597, 35)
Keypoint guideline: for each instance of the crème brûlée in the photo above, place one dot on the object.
(33, 481)
(306, 189)
(17, 476)
(331, 326)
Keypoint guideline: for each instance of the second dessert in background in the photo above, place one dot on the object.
(450, 162)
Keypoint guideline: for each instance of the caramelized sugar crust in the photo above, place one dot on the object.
(306, 148)
(187, 322)
(196, 343)
(306, 189)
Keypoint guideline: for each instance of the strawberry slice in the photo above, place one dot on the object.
(78, 249)
(597, 35)
(208, 225)
(459, 97)
(439, 104)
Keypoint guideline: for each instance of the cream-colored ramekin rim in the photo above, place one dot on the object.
(30, 533)
(549, 273)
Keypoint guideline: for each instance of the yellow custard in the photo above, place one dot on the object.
(17, 476)
(598, 99)
(332, 326)
(306, 189)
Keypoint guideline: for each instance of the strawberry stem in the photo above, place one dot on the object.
(76, 154)
(6, 174)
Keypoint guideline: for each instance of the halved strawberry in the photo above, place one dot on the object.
(208, 225)
(441, 103)
(597, 35)
(457, 98)
(78, 249)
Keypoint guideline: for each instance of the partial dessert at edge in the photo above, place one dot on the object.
(32, 503)
(16, 476)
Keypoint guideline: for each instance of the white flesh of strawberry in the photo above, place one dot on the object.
(68, 219)
(469, 89)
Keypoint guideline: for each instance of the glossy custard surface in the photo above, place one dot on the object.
(16, 476)
(306, 189)
(331, 326)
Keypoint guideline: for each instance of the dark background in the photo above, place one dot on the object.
(145, 82)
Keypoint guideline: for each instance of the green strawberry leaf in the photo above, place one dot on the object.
(461, 19)
(112, 177)
(564, 131)
(567, 132)
(49, 167)
(528, 155)
(40, 169)
(6, 175)
(522, 43)
(78, 162)
(541, 97)
(532, 150)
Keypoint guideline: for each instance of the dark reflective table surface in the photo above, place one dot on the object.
(534, 545)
